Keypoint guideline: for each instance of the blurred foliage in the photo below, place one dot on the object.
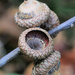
(13, 74)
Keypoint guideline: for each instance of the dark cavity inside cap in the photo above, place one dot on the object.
(37, 40)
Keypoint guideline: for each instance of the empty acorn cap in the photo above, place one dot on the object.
(32, 13)
(35, 43)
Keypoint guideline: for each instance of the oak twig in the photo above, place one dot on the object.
(9, 56)
(68, 24)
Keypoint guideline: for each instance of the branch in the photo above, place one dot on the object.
(68, 24)
(9, 56)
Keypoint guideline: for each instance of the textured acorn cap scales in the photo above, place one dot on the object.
(44, 66)
(32, 13)
(35, 43)
(52, 21)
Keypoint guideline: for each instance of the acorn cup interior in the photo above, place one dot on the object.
(37, 40)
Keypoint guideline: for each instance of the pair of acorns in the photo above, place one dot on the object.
(36, 43)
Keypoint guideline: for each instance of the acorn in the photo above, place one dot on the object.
(35, 43)
(32, 13)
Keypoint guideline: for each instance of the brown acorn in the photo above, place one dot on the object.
(32, 13)
(35, 43)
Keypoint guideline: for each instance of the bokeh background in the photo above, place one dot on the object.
(9, 33)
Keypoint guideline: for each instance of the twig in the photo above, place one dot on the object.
(68, 24)
(9, 56)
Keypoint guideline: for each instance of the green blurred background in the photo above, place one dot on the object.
(9, 33)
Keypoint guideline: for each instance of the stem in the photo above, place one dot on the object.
(9, 56)
(68, 24)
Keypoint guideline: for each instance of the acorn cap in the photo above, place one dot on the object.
(50, 64)
(32, 13)
(52, 21)
(35, 43)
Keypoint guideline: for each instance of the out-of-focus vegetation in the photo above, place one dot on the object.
(9, 33)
